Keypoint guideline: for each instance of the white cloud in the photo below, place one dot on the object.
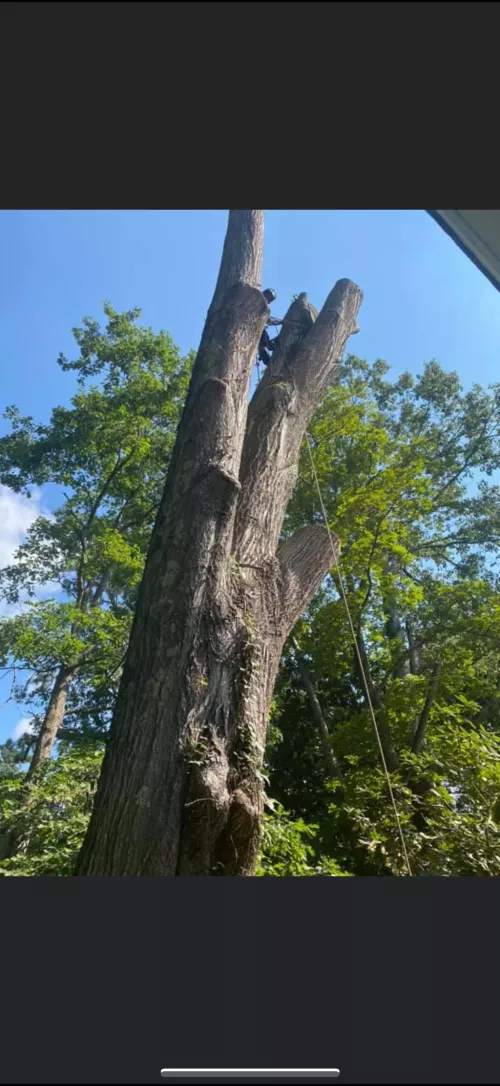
(17, 513)
(24, 727)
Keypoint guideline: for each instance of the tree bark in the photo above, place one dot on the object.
(419, 735)
(53, 719)
(317, 712)
(181, 791)
(395, 632)
(394, 627)
(413, 650)
(16, 842)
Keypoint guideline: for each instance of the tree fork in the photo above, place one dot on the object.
(181, 790)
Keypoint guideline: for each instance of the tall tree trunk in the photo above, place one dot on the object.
(18, 841)
(180, 790)
(394, 627)
(419, 734)
(395, 633)
(56, 708)
(362, 666)
(413, 651)
(53, 718)
(317, 712)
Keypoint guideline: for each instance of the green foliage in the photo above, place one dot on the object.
(54, 814)
(288, 848)
(12, 755)
(107, 453)
(407, 473)
(445, 798)
(404, 470)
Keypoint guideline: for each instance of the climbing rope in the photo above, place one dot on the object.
(360, 659)
(273, 321)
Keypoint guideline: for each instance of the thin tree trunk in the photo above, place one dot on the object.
(180, 790)
(395, 632)
(53, 719)
(420, 784)
(378, 705)
(18, 841)
(317, 712)
(419, 735)
(414, 657)
(394, 627)
(56, 708)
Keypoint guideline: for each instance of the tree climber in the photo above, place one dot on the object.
(266, 344)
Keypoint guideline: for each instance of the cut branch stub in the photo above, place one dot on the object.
(316, 365)
(305, 559)
(242, 254)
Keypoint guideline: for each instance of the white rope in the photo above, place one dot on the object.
(355, 640)
(360, 659)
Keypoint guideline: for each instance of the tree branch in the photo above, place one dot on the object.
(304, 364)
(89, 709)
(305, 559)
(120, 464)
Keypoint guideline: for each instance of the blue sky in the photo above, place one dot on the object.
(423, 298)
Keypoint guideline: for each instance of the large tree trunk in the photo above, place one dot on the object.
(181, 789)
(53, 718)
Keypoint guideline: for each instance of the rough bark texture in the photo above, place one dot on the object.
(181, 790)
(53, 719)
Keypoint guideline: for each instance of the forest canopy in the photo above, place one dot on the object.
(408, 474)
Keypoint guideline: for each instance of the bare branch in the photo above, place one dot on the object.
(89, 709)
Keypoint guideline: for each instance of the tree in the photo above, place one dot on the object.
(181, 788)
(419, 542)
(52, 815)
(106, 453)
(418, 553)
